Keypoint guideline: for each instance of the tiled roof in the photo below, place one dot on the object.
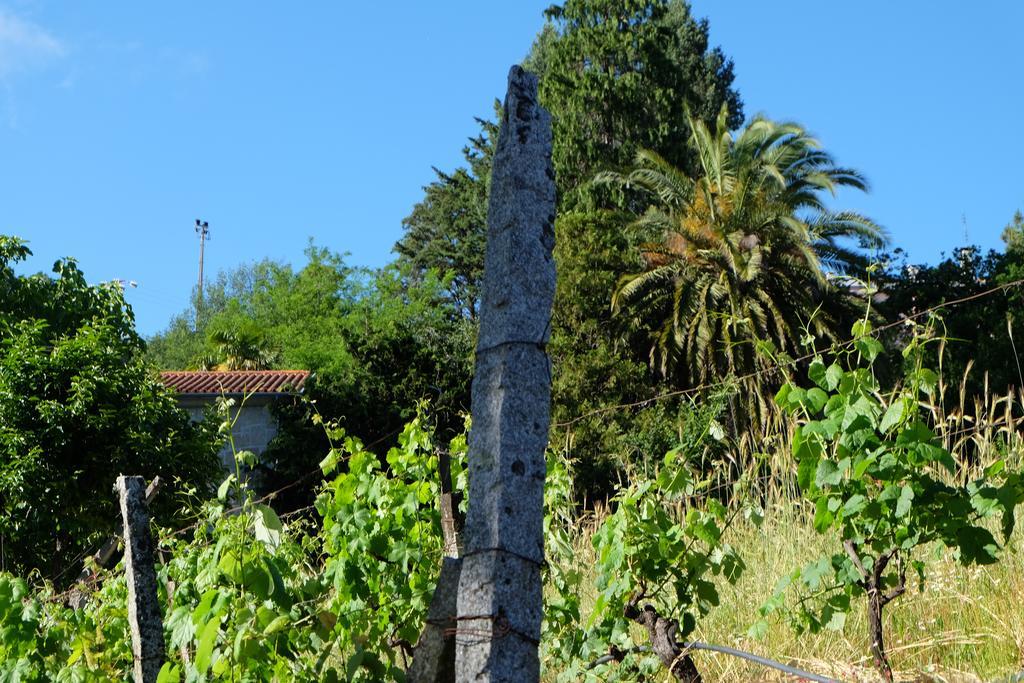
(236, 381)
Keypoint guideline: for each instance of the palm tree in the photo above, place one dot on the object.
(244, 349)
(738, 265)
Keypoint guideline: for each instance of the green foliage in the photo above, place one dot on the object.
(24, 644)
(240, 349)
(78, 406)
(376, 342)
(664, 543)
(1013, 234)
(593, 366)
(447, 229)
(617, 75)
(250, 598)
(735, 260)
(872, 469)
(382, 537)
(240, 585)
(980, 356)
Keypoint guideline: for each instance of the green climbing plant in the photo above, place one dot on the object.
(873, 470)
(383, 542)
(660, 557)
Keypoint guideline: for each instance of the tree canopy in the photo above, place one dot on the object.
(78, 406)
(446, 229)
(741, 253)
(376, 342)
(618, 75)
(610, 91)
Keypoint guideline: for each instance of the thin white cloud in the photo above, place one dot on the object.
(25, 45)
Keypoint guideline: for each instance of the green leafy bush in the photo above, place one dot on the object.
(665, 546)
(875, 474)
(383, 542)
(249, 598)
(78, 406)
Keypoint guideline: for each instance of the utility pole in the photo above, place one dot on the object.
(203, 230)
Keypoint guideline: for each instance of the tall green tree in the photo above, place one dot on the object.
(982, 356)
(618, 75)
(736, 262)
(78, 406)
(186, 342)
(446, 229)
(597, 365)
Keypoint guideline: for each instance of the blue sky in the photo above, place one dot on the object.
(120, 123)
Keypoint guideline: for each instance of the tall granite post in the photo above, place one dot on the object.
(144, 620)
(499, 597)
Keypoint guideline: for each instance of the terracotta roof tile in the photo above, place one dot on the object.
(236, 381)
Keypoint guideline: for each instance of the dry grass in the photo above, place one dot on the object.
(967, 625)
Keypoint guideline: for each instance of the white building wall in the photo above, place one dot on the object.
(254, 427)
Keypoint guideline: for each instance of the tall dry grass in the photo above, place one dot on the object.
(967, 624)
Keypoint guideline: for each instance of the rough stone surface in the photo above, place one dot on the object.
(499, 599)
(144, 619)
(434, 658)
(519, 271)
(105, 556)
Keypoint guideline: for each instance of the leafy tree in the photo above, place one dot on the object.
(661, 554)
(186, 342)
(615, 75)
(1013, 233)
(736, 264)
(244, 349)
(654, 61)
(977, 333)
(446, 229)
(980, 359)
(593, 361)
(252, 598)
(376, 343)
(1011, 272)
(875, 473)
(618, 75)
(397, 344)
(78, 406)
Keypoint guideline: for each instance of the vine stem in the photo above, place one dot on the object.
(722, 649)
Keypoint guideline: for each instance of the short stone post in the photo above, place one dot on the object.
(434, 655)
(499, 598)
(144, 619)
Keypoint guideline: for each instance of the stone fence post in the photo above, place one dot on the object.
(499, 596)
(144, 619)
